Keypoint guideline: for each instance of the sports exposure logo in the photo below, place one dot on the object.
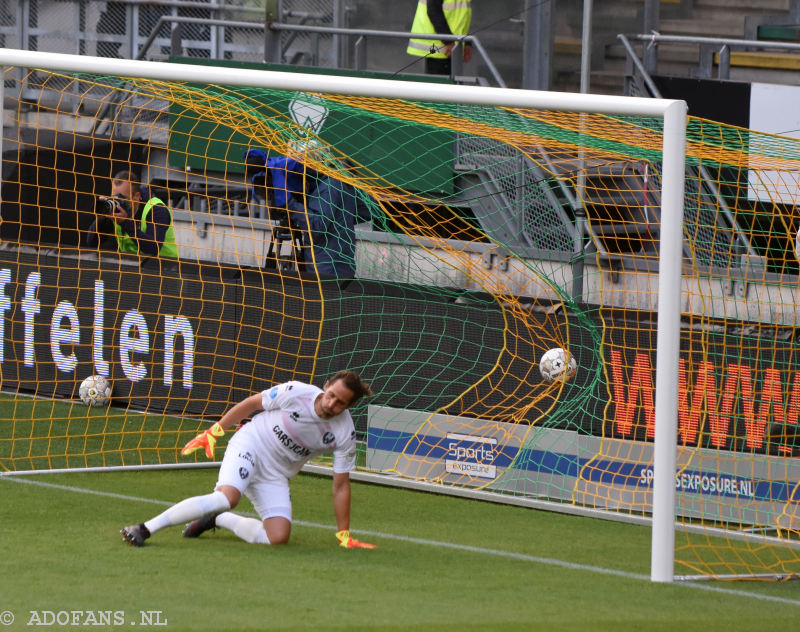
(470, 455)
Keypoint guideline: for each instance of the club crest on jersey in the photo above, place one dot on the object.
(244, 472)
(273, 392)
(327, 438)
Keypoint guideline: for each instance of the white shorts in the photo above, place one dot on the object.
(242, 469)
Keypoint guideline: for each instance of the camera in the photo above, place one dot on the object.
(105, 206)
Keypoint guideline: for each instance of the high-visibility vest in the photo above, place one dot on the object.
(125, 243)
(458, 14)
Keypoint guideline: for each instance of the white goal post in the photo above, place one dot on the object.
(673, 113)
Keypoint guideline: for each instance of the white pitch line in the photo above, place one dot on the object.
(435, 543)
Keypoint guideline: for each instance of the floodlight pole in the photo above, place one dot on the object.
(580, 211)
(273, 12)
(537, 45)
(586, 46)
(651, 20)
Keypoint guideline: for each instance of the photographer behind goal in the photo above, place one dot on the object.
(139, 227)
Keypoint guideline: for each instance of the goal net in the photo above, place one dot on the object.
(441, 246)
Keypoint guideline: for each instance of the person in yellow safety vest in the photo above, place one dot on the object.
(138, 227)
(447, 17)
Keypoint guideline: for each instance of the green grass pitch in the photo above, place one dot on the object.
(442, 564)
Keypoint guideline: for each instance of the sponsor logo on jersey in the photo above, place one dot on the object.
(294, 415)
(290, 443)
(327, 438)
(244, 473)
(273, 392)
(247, 457)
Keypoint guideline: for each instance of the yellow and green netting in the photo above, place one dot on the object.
(483, 237)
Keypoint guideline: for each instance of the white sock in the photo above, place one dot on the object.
(188, 510)
(248, 529)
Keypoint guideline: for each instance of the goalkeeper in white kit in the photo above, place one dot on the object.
(291, 423)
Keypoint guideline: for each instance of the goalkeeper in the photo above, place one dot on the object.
(291, 423)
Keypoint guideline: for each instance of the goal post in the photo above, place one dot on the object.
(670, 264)
(497, 292)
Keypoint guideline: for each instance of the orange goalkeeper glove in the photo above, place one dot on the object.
(206, 439)
(349, 542)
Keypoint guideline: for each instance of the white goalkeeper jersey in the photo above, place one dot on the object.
(290, 432)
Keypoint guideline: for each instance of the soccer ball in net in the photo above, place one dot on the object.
(95, 390)
(557, 364)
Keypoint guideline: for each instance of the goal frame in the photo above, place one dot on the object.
(673, 112)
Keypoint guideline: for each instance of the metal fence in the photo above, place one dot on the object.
(121, 28)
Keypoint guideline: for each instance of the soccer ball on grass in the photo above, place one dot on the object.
(557, 364)
(95, 390)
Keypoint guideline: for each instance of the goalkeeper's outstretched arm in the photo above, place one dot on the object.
(236, 415)
(241, 411)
